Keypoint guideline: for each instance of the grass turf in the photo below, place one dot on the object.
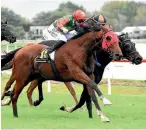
(128, 109)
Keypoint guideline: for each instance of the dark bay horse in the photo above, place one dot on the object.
(71, 64)
(6, 34)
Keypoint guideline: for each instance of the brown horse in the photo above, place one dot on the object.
(70, 64)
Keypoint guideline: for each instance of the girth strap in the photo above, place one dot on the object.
(53, 66)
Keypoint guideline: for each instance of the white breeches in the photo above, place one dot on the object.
(51, 33)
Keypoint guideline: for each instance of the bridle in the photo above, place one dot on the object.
(125, 41)
(100, 41)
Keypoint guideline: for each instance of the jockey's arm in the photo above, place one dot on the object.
(61, 23)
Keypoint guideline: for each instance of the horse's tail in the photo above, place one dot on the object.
(8, 57)
(7, 66)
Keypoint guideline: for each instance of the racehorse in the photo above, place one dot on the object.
(129, 52)
(71, 64)
(6, 34)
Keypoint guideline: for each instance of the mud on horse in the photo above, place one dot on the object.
(70, 64)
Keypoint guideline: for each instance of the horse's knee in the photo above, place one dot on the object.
(92, 84)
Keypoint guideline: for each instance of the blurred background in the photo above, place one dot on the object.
(29, 17)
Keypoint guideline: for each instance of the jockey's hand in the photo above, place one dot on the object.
(84, 25)
(64, 30)
(72, 33)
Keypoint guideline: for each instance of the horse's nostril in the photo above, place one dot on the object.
(117, 56)
(139, 58)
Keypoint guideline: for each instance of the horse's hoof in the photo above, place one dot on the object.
(62, 108)
(106, 101)
(16, 116)
(91, 117)
(36, 103)
(105, 119)
(5, 102)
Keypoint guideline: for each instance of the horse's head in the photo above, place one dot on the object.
(110, 42)
(6, 34)
(128, 49)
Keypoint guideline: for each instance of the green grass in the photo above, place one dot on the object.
(12, 46)
(128, 110)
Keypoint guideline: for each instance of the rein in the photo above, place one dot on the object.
(129, 53)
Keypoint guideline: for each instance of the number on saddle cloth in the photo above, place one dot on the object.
(44, 53)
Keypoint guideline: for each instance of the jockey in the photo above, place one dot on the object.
(60, 29)
(99, 19)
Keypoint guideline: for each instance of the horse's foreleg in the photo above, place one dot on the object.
(37, 102)
(88, 101)
(79, 75)
(30, 90)
(72, 91)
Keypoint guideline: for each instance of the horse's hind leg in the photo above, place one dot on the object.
(14, 97)
(72, 91)
(7, 87)
(86, 97)
(37, 102)
(30, 90)
(80, 103)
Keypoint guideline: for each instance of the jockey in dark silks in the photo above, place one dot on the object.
(60, 29)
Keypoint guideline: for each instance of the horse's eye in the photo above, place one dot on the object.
(108, 38)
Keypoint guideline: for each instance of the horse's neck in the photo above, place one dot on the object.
(87, 41)
(85, 38)
(103, 57)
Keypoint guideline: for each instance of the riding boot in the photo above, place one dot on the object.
(45, 54)
(58, 44)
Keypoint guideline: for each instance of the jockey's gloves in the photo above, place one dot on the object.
(72, 33)
(64, 29)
